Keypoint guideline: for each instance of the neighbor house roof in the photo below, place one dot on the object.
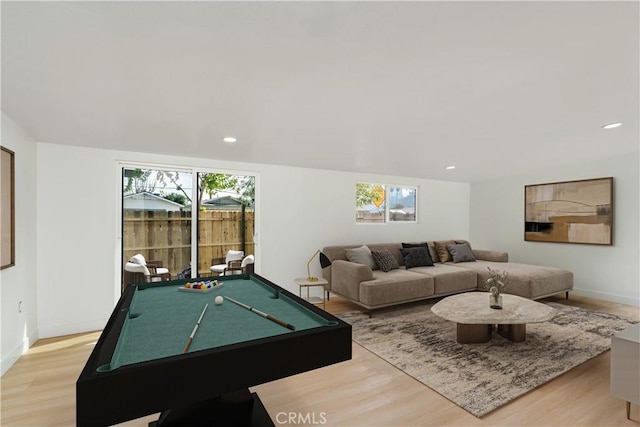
(149, 201)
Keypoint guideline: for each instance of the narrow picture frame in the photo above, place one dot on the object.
(7, 208)
(570, 212)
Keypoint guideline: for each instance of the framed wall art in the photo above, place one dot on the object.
(570, 212)
(7, 208)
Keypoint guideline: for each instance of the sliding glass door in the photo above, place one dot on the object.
(226, 217)
(156, 223)
(159, 206)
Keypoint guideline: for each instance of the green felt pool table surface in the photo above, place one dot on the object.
(161, 318)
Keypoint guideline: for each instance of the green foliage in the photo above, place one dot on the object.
(211, 183)
(139, 180)
(364, 194)
(246, 188)
(176, 197)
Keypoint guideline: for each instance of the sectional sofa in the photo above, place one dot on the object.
(385, 274)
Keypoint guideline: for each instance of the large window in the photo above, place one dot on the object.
(158, 210)
(381, 203)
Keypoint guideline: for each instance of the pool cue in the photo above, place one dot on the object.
(195, 328)
(265, 315)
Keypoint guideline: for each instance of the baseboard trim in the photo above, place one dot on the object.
(49, 331)
(10, 359)
(620, 299)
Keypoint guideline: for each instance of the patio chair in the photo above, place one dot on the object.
(146, 271)
(217, 265)
(245, 266)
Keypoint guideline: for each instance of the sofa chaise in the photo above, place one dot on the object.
(385, 274)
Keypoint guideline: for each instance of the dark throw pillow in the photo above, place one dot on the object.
(461, 252)
(417, 257)
(414, 245)
(385, 260)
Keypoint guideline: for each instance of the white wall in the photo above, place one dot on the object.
(299, 211)
(69, 267)
(605, 272)
(18, 299)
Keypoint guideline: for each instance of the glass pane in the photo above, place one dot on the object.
(402, 204)
(370, 203)
(156, 223)
(226, 219)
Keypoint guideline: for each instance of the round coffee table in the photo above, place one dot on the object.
(475, 319)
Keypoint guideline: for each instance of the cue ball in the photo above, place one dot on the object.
(218, 300)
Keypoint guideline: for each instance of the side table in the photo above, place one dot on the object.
(625, 366)
(304, 282)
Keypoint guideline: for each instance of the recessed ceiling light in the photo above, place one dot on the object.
(450, 167)
(229, 139)
(612, 125)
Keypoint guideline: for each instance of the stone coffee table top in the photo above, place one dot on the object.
(473, 308)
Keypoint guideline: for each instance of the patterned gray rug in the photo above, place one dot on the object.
(482, 377)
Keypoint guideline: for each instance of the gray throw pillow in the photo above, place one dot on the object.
(461, 252)
(417, 256)
(414, 245)
(361, 255)
(385, 260)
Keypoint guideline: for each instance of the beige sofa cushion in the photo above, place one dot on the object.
(486, 255)
(529, 281)
(394, 287)
(448, 278)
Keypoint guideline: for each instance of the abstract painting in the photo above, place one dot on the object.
(570, 212)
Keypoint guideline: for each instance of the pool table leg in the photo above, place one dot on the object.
(239, 408)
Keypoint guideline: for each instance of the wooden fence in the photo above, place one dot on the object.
(166, 236)
(378, 218)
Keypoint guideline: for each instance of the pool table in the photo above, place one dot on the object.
(138, 366)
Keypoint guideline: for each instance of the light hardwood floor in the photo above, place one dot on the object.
(39, 390)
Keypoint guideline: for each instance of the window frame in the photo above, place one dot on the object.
(387, 209)
(194, 170)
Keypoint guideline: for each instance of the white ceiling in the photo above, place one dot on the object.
(401, 88)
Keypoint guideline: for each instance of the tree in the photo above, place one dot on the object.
(246, 188)
(139, 180)
(176, 197)
(211, 183)
(367, 194)
(364, 194)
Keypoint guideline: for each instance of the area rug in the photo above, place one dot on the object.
(482, 377)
